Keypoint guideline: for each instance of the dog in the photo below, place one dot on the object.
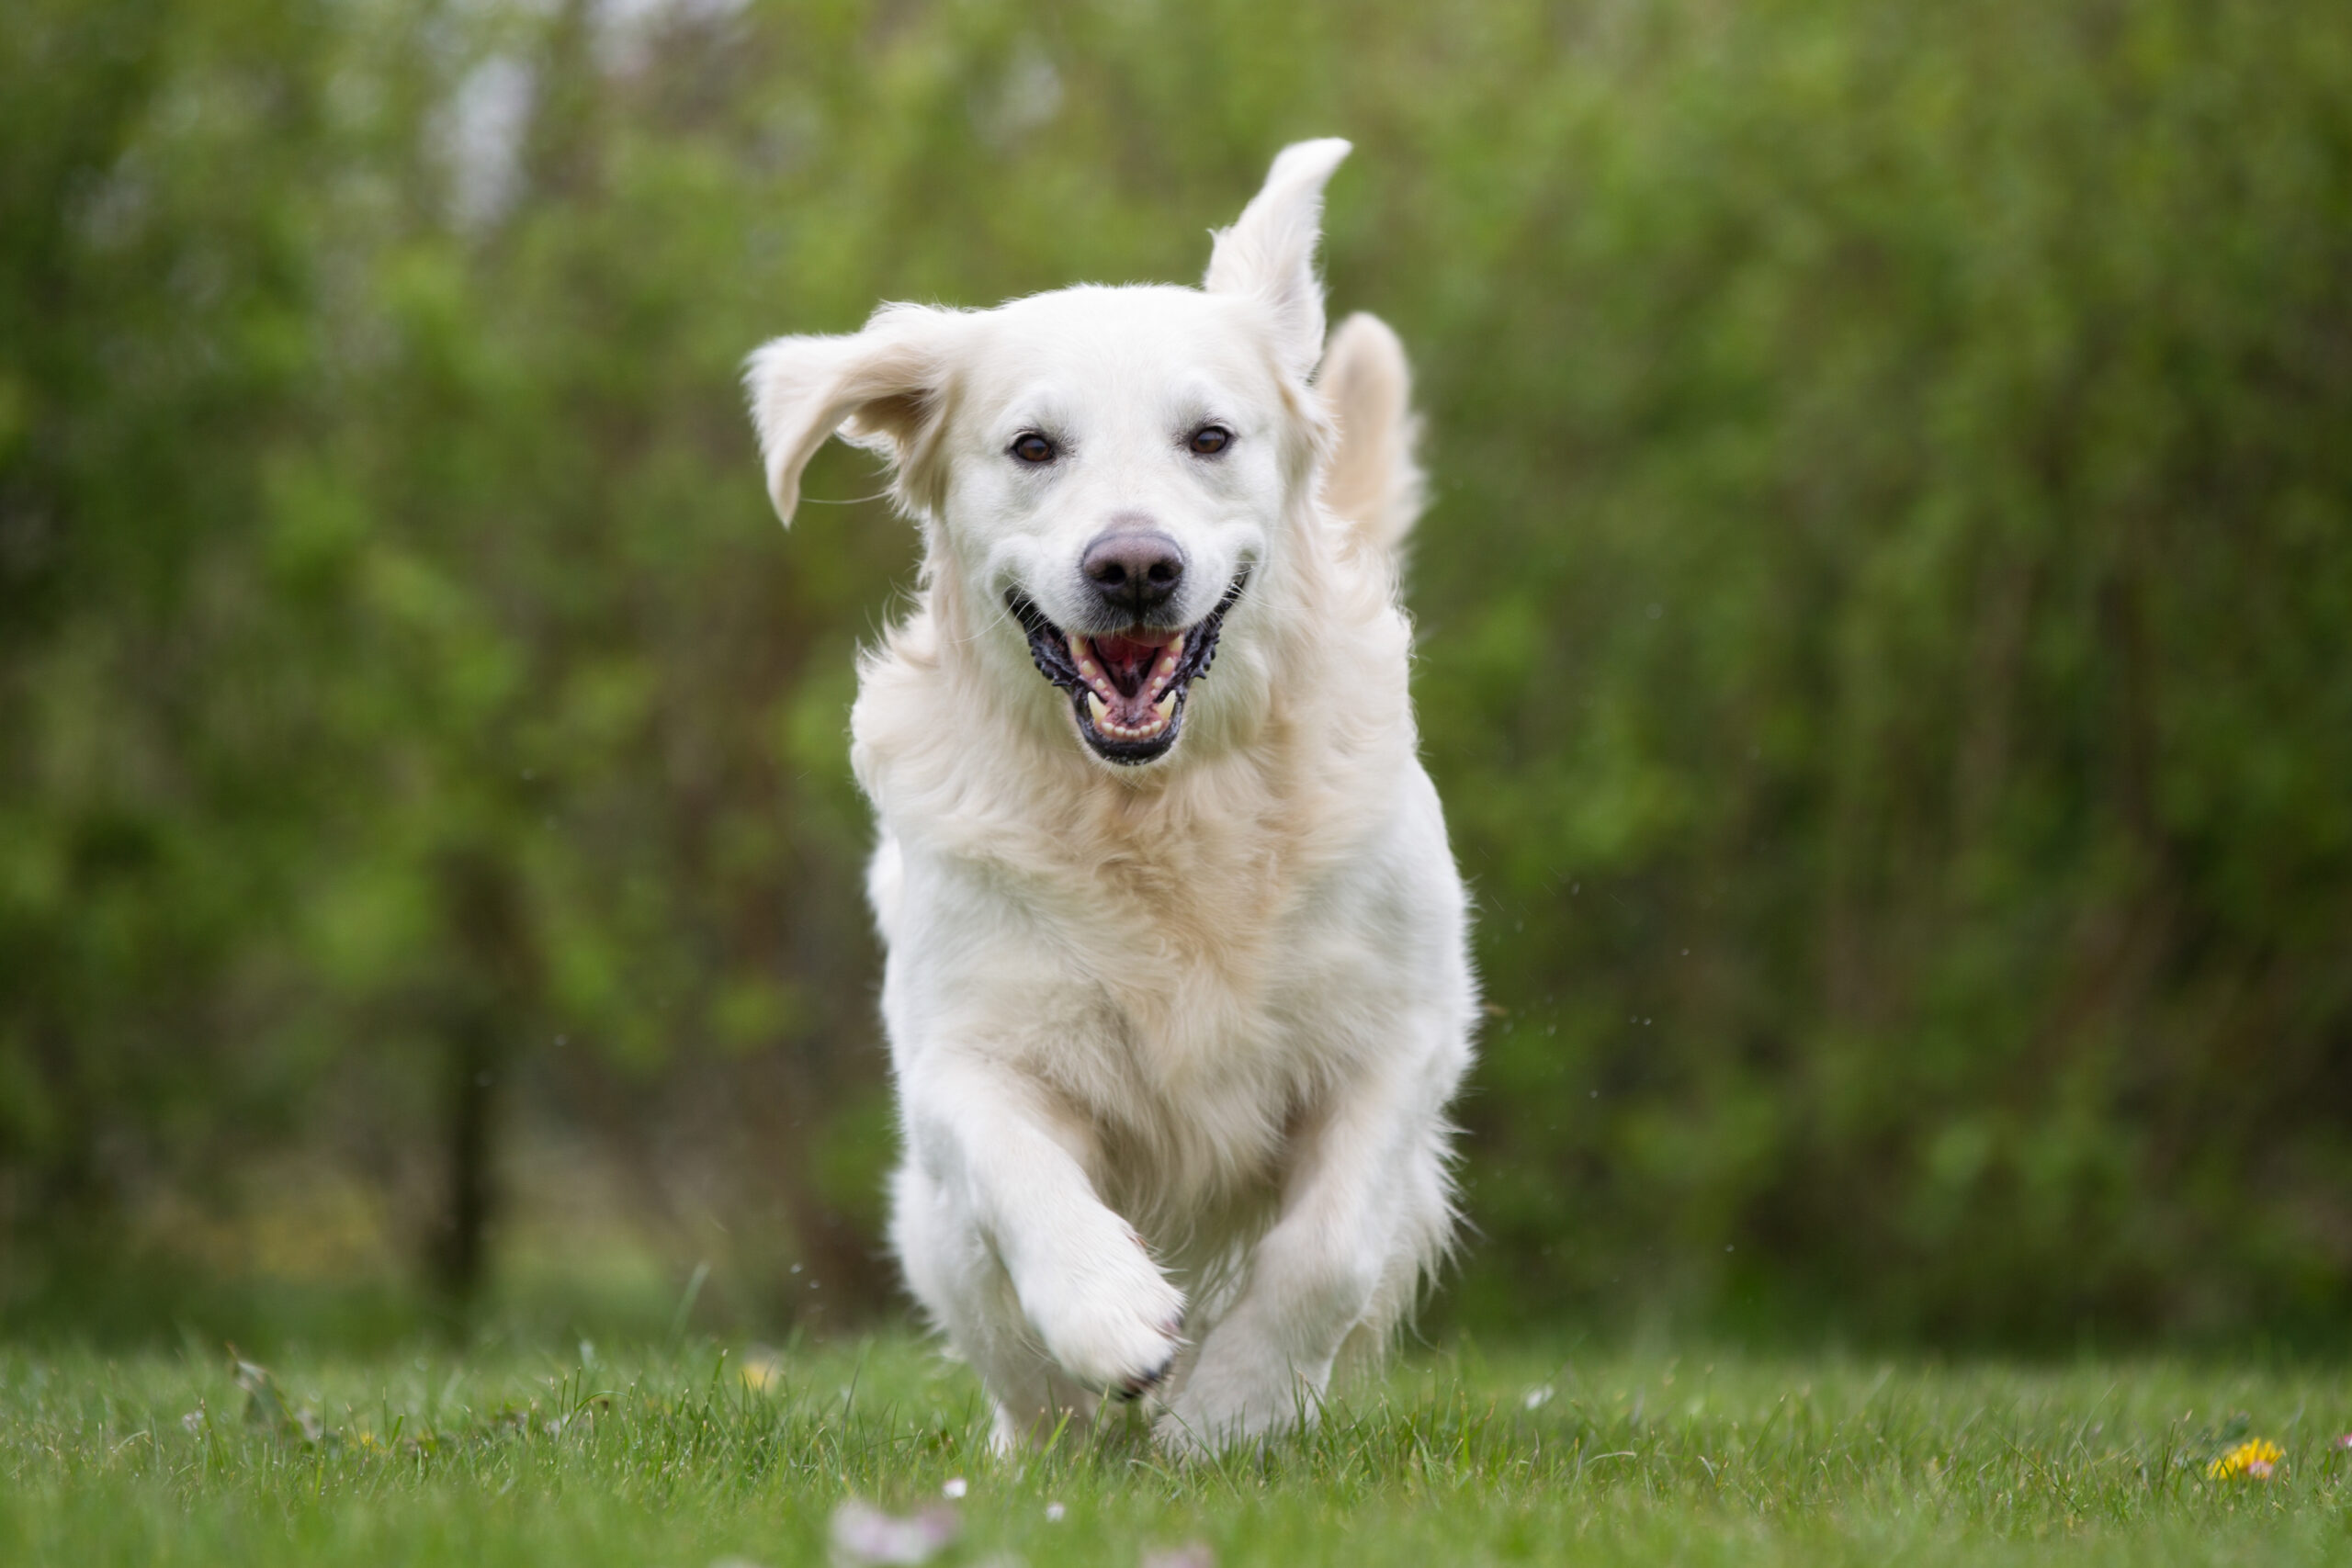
(1177, 986)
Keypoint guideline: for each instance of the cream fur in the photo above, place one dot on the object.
(1173, 1043)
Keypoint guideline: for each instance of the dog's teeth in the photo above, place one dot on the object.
(1165, 707)
(1097, 712)
(1176, 650)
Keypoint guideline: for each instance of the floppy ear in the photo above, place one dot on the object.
(881, 388)
(1269, 251)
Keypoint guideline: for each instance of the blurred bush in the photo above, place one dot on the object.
(1885, 617)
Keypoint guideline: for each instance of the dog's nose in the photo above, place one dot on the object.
(1134, 573)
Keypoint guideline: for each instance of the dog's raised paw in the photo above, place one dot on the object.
(1120, 1336)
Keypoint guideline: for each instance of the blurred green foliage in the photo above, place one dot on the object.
(1884, 618)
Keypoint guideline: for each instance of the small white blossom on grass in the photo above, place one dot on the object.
(1192, 1554)
(864, 1534)
(1537, 1398)
(955, 1488)
(1056, 1513)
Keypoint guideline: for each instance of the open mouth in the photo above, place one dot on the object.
(1127, 688)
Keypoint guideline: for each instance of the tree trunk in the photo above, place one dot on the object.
(469, 1184)
(491, 991)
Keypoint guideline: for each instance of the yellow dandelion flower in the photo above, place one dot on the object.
(2256, 1458)
(760, 1369)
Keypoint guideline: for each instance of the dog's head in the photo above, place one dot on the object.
(1114, 466)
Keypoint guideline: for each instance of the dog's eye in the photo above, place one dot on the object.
(1211, 439)
(1032, 447)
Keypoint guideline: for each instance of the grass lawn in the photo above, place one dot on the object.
(590, 1457)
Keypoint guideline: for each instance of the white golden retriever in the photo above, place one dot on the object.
(1177, 988)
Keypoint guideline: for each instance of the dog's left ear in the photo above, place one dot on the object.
(881, 389)
(1269, 251)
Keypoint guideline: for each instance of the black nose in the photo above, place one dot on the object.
(1134, 573)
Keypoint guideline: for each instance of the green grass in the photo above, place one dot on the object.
(511, 1456)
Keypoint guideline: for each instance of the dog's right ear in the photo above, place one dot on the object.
(883, 388)
(1269, 251)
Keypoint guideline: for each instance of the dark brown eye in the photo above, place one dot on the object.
(1211, 439)
(1032, 447)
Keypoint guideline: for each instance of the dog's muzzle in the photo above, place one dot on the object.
(1127, 689)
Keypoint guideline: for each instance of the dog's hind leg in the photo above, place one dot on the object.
(1423, 1237)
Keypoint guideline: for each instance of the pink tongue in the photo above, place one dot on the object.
(1127, 660)
(1126, 651)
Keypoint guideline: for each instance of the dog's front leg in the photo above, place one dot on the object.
(1004, 1165)
(1365, 1208)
